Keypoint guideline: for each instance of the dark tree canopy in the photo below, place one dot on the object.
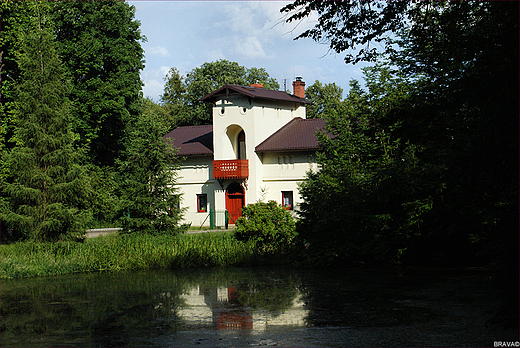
(350, 25)
(454, 114)
(99, 42)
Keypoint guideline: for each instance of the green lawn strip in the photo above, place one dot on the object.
(122, 252)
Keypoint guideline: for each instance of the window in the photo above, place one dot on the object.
(287, 200)
(202, 203)
(241, 145)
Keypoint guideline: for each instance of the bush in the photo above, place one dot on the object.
(268, 225)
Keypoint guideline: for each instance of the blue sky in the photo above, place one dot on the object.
(186, 34)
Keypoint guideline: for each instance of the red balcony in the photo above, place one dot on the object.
(231, 169)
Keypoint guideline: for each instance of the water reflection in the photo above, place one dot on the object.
(250, 307)
(145, 308)
(232, 308)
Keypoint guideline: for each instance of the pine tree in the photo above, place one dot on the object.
(46, 198)
(150, 197)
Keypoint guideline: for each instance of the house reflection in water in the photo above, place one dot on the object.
(220, 308)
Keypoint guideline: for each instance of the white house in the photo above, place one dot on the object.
(258, 148)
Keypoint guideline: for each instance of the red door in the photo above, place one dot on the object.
(234, 201)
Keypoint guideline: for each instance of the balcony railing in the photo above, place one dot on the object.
(231, 169)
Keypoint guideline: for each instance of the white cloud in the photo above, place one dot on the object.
(251, 47)
(163, 70)
(154, 82)
(158, 51)
(215, 54)
(153, 88)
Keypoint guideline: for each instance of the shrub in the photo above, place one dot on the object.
(268, 225)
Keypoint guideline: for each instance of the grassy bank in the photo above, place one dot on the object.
(120, 252)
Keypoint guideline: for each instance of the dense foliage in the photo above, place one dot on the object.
(46, 200)
(100, 43)
(425, 166)
(150, 201)
(74, 123)
(269, 226)
(323, 98)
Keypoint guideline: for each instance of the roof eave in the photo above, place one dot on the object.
(212, 97)
(308, 149)
(242, 90)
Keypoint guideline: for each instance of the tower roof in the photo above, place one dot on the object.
(252, 92)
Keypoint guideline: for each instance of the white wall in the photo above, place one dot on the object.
(258, 121)
(283, 172)
(274, 172)
(196, 177)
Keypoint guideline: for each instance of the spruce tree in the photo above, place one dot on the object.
(46, 197)
(150, 196)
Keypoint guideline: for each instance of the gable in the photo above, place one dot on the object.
(252, 92)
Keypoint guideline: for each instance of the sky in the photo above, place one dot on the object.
(186, 34)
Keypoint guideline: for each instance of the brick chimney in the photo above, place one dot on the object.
(299, 87)
(257, 85)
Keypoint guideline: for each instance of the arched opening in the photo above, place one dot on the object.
(235, 200)
(234, 144)
(241, 145)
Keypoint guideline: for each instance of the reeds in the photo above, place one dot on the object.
(123, 252)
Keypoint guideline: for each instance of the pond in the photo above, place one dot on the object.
(252, 307)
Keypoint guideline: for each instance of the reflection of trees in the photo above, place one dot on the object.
(107, 309)
(274, 299)
(107, 306)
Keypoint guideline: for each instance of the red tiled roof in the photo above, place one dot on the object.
(192, 140)
(252, 92)
(297, 135)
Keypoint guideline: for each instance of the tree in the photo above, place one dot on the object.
(150, 197)
(461, 120)
(48, 197)
(173, 99)
(347, 25)
(354, 207)
(187, 91)
(16, 15)
(174, 89)
(464, 57)
(99, 41)
(323, 97)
